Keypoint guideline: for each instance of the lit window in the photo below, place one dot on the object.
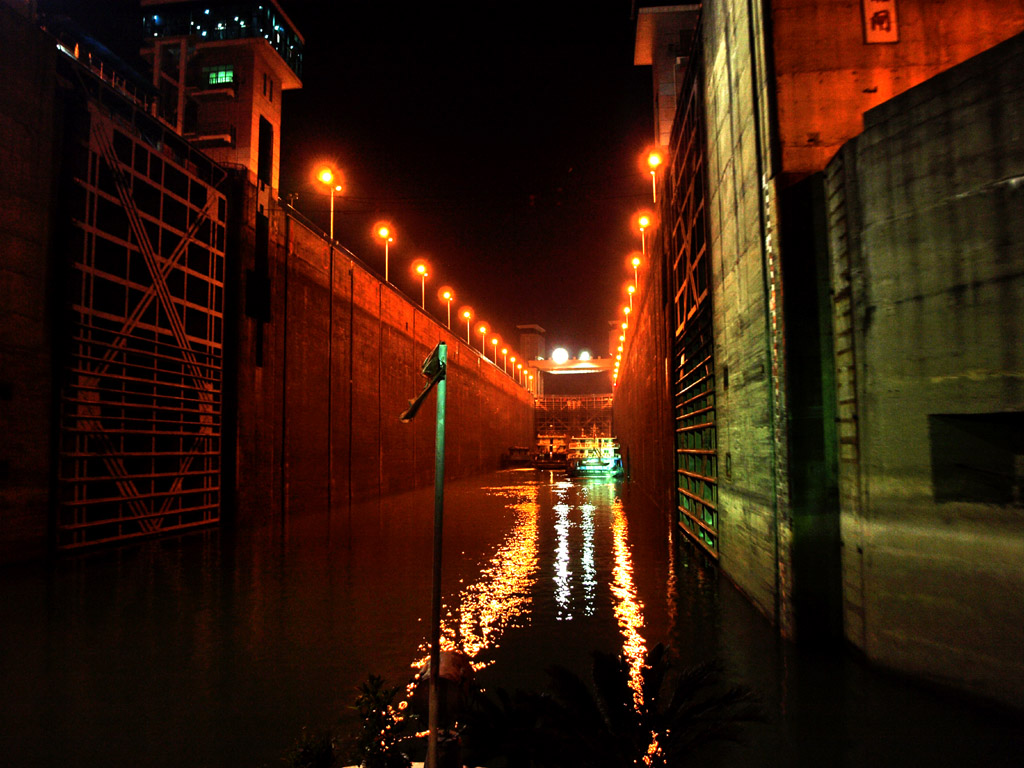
(220, 75)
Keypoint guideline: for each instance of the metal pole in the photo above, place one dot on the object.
(435, 608)
(467, 330)
(330, 363)
(386, 260)
(654, 188)
(449, 314)
(423, 292)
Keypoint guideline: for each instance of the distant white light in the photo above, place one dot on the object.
(560, 355)
(584, 355)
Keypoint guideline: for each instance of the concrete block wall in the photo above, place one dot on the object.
(753, 526)
(318, 420)
(28, 125)
(927, 243)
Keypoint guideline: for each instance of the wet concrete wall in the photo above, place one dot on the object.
(754, 520)
(322, 377)
(27, 191)
(926, 236)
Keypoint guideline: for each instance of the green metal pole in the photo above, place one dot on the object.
(435, 608)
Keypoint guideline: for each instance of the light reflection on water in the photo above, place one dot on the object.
(219, 648)
(628, 610)
(563, 574)
(499, 599)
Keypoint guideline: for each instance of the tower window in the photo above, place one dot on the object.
(219, 75)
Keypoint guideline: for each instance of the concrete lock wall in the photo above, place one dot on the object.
(29, 120)
(322, 381)
(823, 89)
(754, 524)
(926, 234)
(642, 407)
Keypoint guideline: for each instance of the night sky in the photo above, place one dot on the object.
(502, 140)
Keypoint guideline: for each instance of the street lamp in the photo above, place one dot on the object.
(482, 330)
(494, 343)
(504, 359)
(386, 233)
(531, 383)
(467, 315)
(636, 264)
(448, 295)
(631, 289)
(654, 160)
(329, 179)
(519, 367)
(421, 270)
(644, 221)
(513, 361)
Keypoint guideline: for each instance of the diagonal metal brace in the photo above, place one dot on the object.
(433, 368)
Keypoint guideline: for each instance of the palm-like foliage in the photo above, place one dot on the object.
(384, 731)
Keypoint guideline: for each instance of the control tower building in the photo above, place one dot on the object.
(220, 69)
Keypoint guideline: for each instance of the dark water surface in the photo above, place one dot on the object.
(217, 649)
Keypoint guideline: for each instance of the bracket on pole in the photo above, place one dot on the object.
(434, 368)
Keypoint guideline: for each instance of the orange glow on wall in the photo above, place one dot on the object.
(824, 89)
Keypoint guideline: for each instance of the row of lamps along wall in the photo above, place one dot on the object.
(330, 179)
(643, 221)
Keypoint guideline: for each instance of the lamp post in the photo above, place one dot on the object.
(504, 359)
(531, 383)
(482, 330)
(654, 160)
(467, 315)
(327, 177)
(513, 367)
(644, 221)
(519, 367)
(494, 343)
(636, 265)
(448, 296)
(421, 270)
(631, 289)
(385, 233)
